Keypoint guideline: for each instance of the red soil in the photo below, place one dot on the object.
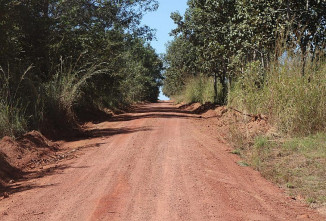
(158, 163)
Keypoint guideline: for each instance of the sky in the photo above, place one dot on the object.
(161, 21)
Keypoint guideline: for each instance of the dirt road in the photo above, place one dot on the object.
(153, 164)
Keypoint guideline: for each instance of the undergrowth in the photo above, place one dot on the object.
(47, 106)
(293, 153)
(13, 121)
(293, 102)
(64, 91)
(198, 89)
(13, 118)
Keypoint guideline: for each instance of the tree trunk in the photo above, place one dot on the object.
(224, 89)
(303, 57)
(215, 88)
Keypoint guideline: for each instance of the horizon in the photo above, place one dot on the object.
(160, 21)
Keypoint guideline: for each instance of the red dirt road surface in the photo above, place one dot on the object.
(154, 164)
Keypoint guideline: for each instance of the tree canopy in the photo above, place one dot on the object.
(226, 34)
(57, 38)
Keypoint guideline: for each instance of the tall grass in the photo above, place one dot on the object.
(13, 118)
(63, 92)
(50, 107)
(293, 102)
(198, 89)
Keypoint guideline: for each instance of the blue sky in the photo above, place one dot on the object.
(161, 21)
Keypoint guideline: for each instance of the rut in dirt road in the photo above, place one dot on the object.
(155, 166)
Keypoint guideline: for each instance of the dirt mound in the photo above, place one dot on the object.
(216, 112)
(189, 107)
(228, 121)
(36, 139)
(16, 155)
(197, 108)
(7, 171)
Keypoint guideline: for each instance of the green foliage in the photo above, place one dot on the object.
(227, 35)
(64, 92)
(85, 55)
(142, 74)
(180, 61)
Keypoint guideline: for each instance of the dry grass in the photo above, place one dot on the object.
(294, 156)
(198, 89)
(296, 164)
(294, 103)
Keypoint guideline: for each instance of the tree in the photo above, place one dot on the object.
(62, 40)
(228, 34)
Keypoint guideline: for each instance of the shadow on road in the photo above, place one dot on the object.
(139, 112)
(106, 132)
(21, 186)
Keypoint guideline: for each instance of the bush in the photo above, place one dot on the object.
(27, 104)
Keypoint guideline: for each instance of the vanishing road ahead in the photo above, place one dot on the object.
(153, 164)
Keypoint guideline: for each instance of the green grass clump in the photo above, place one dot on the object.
(236, 152)
(242, 164)
(62, 93)
(13, 121)
(13, 116)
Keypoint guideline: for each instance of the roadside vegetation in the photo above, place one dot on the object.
(262, 59)
(296, 163)
(197, 89)
(59, 59)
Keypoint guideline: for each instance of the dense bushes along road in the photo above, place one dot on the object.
(60, 57)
